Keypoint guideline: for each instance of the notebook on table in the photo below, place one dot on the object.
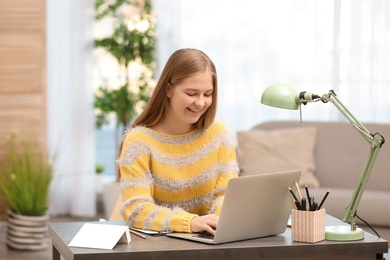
(254, 206)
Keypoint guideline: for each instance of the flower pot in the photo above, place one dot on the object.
(27, 232)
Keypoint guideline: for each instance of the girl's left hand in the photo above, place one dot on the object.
(206, 223)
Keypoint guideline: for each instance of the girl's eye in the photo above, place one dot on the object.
(194, 94)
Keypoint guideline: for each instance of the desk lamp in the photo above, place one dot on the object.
(284, 96)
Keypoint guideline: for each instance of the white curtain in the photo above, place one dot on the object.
(367, 62)
(313, 45)
(70, 115)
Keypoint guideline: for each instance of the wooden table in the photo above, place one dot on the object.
(161, 247)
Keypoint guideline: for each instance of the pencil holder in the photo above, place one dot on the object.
(308, 226)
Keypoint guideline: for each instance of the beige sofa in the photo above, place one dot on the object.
(330, 155)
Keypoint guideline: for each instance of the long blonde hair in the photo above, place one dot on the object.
(182, 64)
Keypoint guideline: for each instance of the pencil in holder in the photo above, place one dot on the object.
(308, 226)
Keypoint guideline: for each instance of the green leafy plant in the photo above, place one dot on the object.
(131, 42)
(25, 178)
(99, 168)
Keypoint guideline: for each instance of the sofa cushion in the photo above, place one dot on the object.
(261, 151)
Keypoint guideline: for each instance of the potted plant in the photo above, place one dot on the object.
(25, 181)
(123, 93)
(132, 44)
(99, 177)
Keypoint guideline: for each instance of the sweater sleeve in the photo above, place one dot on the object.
(138, 206)
(228, 169)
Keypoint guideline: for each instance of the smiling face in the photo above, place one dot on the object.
(188, 101)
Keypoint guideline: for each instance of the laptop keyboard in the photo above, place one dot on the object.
(204, 235)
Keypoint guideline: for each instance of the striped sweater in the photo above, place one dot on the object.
(167, 180)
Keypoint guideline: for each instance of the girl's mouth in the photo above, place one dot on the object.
(195, 111)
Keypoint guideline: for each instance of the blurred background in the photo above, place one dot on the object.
(74, 74)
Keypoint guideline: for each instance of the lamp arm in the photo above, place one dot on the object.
(375, 145)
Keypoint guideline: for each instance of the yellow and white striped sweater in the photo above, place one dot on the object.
(167, 180)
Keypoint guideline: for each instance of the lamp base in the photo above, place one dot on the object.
(343, 233)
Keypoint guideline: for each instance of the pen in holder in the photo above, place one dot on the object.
(308, 226)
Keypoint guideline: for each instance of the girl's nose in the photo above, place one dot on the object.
(200, 102)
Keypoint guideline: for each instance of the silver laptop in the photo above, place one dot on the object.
(254, 206)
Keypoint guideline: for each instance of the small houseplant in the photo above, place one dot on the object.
(25, 179)
(99, 177)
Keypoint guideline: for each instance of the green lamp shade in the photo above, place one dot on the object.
(280, 95)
